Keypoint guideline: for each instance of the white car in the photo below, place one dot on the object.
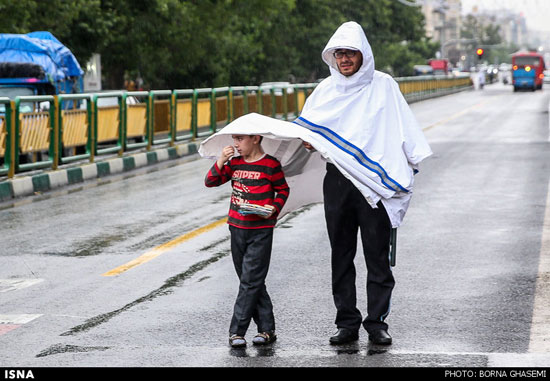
(277, 86)
(111, 101)
(546, 76)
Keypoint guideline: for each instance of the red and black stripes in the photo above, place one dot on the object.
(261, 182)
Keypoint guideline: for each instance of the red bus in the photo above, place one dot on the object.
(527, 70)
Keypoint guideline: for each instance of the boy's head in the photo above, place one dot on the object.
(247, 144)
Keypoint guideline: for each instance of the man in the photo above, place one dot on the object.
(362, 115)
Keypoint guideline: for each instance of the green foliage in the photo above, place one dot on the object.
(209, 43)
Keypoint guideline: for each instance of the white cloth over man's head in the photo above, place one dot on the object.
(361, 124)
(350, 35)
(367, 126)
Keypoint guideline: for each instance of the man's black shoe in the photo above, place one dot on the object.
(344, 336)
(380, 337)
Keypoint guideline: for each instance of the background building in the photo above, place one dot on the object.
(443, 24)
(449, 23)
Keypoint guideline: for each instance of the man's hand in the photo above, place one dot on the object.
(308, 146)
(226, 154)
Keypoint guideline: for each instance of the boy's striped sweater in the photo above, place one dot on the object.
(261, 182)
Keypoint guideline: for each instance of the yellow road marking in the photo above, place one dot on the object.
(458, 114)
(164, 248)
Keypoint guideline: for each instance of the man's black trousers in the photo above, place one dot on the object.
(347, 211)
(251, 252)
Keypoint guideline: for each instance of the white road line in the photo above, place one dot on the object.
(17, 283)
(18, 318)
(518, 360)
(494, 359)
(540, 325)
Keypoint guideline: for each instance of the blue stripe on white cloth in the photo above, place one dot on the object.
(354, 151)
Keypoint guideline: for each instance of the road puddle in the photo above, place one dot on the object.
(61, 348)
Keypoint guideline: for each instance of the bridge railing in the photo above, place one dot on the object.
(424, 87)
(38, 132)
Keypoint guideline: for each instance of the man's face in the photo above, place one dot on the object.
(348, 61)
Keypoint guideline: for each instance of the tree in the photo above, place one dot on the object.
(210, 43)
(20, 15)
(250, 41)
(486, 35)
(395, 32)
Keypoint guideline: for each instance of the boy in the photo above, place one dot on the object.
(258, 181)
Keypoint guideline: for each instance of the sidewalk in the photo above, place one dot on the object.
(26, 185)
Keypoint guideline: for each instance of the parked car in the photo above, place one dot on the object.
(423, 70)
(111, 101)
(277, 86)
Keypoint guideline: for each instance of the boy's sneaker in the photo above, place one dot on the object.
(237, 341)
(264, 338)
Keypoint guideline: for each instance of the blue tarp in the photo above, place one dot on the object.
(40, 48)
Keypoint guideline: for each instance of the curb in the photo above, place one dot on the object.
(43, 182)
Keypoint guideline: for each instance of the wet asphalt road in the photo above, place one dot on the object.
(467, 260)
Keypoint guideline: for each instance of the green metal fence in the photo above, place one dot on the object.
(114, 123)
(8, 138)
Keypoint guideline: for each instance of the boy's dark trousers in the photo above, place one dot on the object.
(346, 210)
(251, 252)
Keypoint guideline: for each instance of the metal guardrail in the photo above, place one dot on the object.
(144, 119)
(423, 87)
(35, 132)
(7, 138)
